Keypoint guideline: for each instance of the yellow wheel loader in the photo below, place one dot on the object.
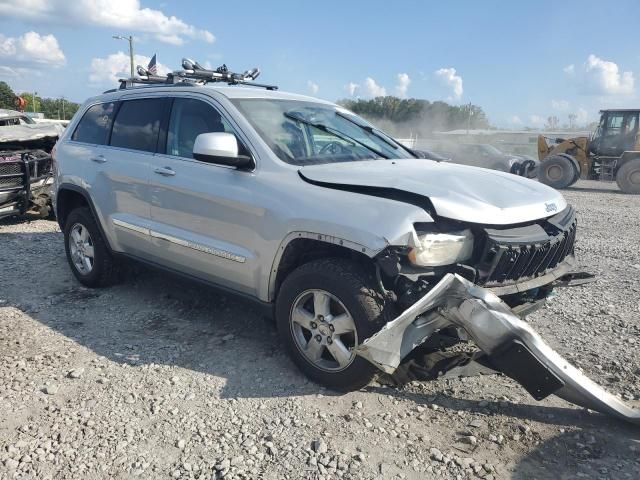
(611, 153)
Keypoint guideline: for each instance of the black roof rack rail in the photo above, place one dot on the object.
(194, 74)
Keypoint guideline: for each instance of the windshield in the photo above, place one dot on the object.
(305, 133)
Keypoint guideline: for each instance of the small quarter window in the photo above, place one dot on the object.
(94, 125)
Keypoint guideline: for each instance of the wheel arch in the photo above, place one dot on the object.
(627, 157)
(69, 197)
(299, 248)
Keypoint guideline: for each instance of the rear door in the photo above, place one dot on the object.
(201, 213)
(120, 172)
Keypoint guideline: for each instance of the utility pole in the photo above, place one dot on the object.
(34, 101)
(469, 114)
(130, 40)
(63, 115)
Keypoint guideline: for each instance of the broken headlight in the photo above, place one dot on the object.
(436, 249)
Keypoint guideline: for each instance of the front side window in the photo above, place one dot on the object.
(189, 118)
(137, 124)
(304, 133)
(94, 125)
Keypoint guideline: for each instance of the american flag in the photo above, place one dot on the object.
(153, 68)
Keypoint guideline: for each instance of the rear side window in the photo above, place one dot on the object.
(137, 124)
(94, 125)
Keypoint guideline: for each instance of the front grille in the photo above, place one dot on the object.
(11, 182)
(521, 253)
(8, 168)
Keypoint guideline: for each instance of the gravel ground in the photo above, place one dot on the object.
(159, 378)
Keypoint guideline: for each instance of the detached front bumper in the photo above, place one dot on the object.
(511, 345)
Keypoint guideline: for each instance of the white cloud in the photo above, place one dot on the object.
(17, 72)
(373, 89)
(313, 87)
(602, 77)
(107, 71)
(515, 120)
(32, 48)
(451, 80)
(537, 120)
(125, 15)
(352, 88)
(561, 105)
(403, 84)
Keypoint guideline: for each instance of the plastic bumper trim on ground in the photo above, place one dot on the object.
(512, 345)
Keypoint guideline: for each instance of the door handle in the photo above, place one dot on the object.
(99, 159)
(165, 171)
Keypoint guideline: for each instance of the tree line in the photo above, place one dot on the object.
(52, 108)
(404, 117)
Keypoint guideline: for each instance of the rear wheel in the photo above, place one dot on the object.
(87, 253)
(628, 177)
(558, 171)
(324, 310)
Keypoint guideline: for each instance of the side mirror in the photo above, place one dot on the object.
(221, 148)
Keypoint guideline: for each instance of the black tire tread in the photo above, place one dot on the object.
(570, 174)
(625, 186)
(378, 312)
(106, 271)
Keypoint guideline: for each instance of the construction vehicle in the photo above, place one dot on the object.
(611, 153)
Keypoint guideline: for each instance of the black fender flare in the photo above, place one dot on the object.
(85, 194)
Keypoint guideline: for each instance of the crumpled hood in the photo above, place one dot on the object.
(459, 192)
(32, 131)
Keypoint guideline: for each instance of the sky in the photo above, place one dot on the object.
(521, 61)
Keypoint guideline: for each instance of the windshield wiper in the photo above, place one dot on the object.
(333, 131)
(376, 133)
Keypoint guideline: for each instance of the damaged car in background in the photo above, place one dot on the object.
(367, 254)
(25, 164)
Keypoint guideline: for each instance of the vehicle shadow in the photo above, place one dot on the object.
(585, 453)
(150, 318)
(17, 219)
(613, 189)
(588, 445)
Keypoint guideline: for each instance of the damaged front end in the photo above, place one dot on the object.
(26, 177)
(510, 344)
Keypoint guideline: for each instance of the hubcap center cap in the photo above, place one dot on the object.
(324, 330)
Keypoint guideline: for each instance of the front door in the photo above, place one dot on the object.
(201, 213)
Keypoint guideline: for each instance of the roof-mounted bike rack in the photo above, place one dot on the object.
(194, 74)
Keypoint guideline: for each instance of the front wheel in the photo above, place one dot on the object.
(324, 310)
(628, 177)
(558, 171)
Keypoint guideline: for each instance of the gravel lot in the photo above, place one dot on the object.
(160, 378)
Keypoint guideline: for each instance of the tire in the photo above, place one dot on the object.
(628, 177)
(101, 270)
(558, 171)
(350, 291)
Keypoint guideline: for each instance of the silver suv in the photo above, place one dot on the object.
(362, 249)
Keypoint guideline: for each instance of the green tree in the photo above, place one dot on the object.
(53, 108)
(28, 98)
(413, 116)
(7, 96)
